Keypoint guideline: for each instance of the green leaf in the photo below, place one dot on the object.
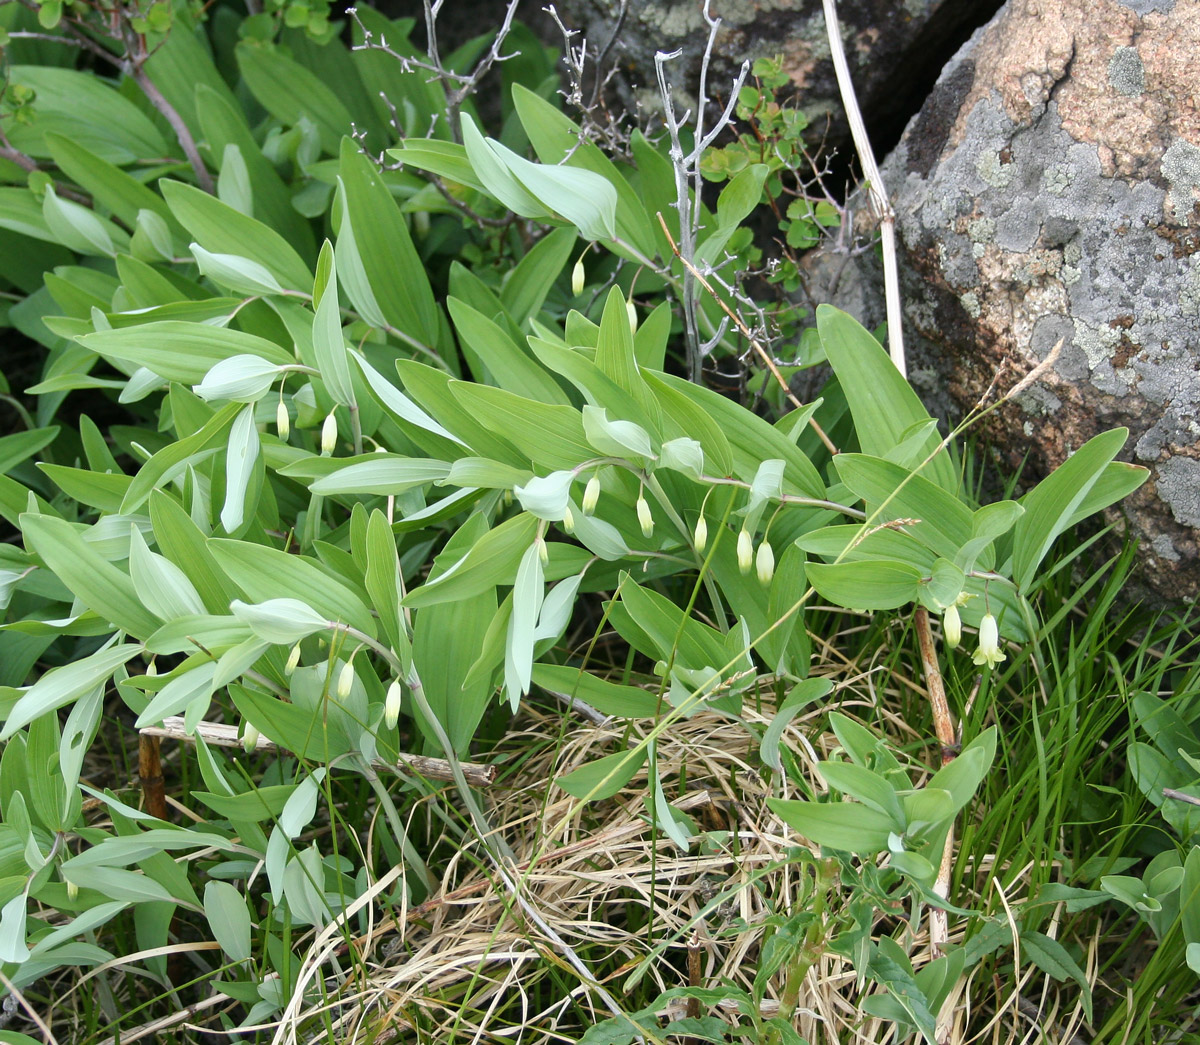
(491, 560)
(868, 787)
(180, 351)
(237, 274)
(289, 91)
(328, 342)
(266, 573)
(160, 584)
(893, 492)
(96, 583)
(558, 140)
(190, 685)
(604, 777)
(221, 229)
(19, 446)
(1051, 505)
(1052, 958)
(866, 585)
(107, 184)
(848, 826)
(511, 368)
(390, 263)
(229, 919)
(309, 732)
(174, 458)
(65, 685)
(83, 107)
(81, 229)
(802, 695)
(609, 698)
(548, 435)
(529, 590)
(243, 379)
(883, 404)
(280, 621)
(526, 286)
(381, 474)
(382, 578)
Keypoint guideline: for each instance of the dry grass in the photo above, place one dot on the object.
(467, 966)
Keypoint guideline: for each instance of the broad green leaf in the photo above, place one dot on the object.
(83, 107)
(180, 351)
(237, 274)
(512, 368)
(548, 435)
(751, 440)
(735, 203)
(526, 286)
(19, 446)
(242, 379)
(557, 140)
(96, 583)
(892, 492)
(266, 573)
(328, 343)
(233, 181)
(224, 124)
(173, 459)
(219, 228)
(160, 584)
(229, 919)
(616, 438)
(491, 560)
(382, 578)
(392, 267)
(382, 474)
(1053, 958)
(847, 543)
(866, 585)
(107, 184)
(868, 787)
(883, 404)
(193, 684)
(310, 733)
(604, 777)
(81, 229)
(181, 541)
(962, 777)
(289, 91)
(1051, 505)
(65, 685)
(529, 590)
(281, 621)
(609, 698)
(1116, 482)
(848, 826)
(399, 404)
(802, 695)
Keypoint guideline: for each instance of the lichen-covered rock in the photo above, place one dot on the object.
(887, 43)
(1050, 188)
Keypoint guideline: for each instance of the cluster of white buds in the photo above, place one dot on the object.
(391, 705)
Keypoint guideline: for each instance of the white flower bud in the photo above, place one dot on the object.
(631, 312)
(577, 277)
(591, 495)
(329, 434)
(250, 737)
(745, 550)
(764, 562)
(989, 651)
(701, 536)
(152, 668)
(568, 520)
(952, 626)
(345, 680)
(645, 518)
(282, 422)
(292, 661)
(391, 705)
(543, 551)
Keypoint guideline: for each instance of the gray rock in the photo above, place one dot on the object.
(886, 43)
(1050, 188)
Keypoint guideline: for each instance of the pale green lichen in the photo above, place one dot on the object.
(1097, 343)
(1181, 168)
(1057, 179)
(1126, 73)
(998, 175)
(981, 230)
(970, 302)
